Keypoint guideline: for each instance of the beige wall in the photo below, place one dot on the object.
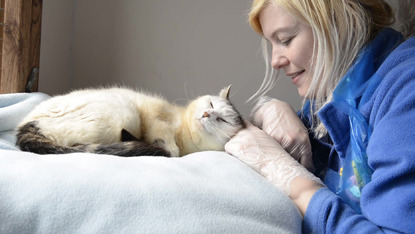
(56, 44)
(177, 48)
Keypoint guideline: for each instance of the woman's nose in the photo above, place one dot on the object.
(278, 60)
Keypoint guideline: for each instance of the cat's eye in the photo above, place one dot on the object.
(211, 105)
(220, 119)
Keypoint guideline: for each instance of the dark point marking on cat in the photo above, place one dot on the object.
(238, 119)
(127, 136)
(130, 149)
(30, 138)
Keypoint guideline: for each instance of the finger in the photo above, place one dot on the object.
(293, 147)
(307, 162)
(259, 104)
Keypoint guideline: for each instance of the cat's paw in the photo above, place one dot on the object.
(171, 147)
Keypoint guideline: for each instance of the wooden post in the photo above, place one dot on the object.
(1, 33)
(21, 44)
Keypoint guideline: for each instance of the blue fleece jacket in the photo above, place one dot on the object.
(388, 200)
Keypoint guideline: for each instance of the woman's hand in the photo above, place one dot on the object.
(279, 120)
(266, 156)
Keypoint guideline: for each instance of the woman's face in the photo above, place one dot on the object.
(292, 45)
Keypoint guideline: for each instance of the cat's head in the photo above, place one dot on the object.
(214, 115)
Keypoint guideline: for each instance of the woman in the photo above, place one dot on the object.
(356, 132)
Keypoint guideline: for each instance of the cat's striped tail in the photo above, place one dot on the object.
(30, 138)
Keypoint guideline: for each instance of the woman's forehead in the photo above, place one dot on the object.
(275, 19)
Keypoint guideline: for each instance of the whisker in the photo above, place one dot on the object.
(233, 93)
(179, 100)
(214, 128)
(185, 90)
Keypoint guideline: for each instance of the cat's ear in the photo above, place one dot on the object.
(225, 92)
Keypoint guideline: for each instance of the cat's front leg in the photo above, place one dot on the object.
(169, 146)
(161, 131)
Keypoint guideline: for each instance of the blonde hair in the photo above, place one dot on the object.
(340, 28)
(405, 16)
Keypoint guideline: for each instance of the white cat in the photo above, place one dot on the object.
(120, 121)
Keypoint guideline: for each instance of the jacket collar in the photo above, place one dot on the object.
(362, 85)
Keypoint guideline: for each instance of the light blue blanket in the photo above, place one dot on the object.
(205, 192)
(13, 108)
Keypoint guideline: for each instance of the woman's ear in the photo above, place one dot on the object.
(225, 92)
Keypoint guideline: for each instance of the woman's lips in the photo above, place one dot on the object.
(295, 77)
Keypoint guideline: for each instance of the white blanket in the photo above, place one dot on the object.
(206, 192)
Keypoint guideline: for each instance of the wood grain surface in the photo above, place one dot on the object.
(21, 44)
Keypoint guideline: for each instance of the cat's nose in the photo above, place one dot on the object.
(205, 114)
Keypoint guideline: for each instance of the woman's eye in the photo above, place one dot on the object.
(288, 41)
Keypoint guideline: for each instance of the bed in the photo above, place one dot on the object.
(204, 192)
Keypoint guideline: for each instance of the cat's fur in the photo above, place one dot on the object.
(123, 122)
